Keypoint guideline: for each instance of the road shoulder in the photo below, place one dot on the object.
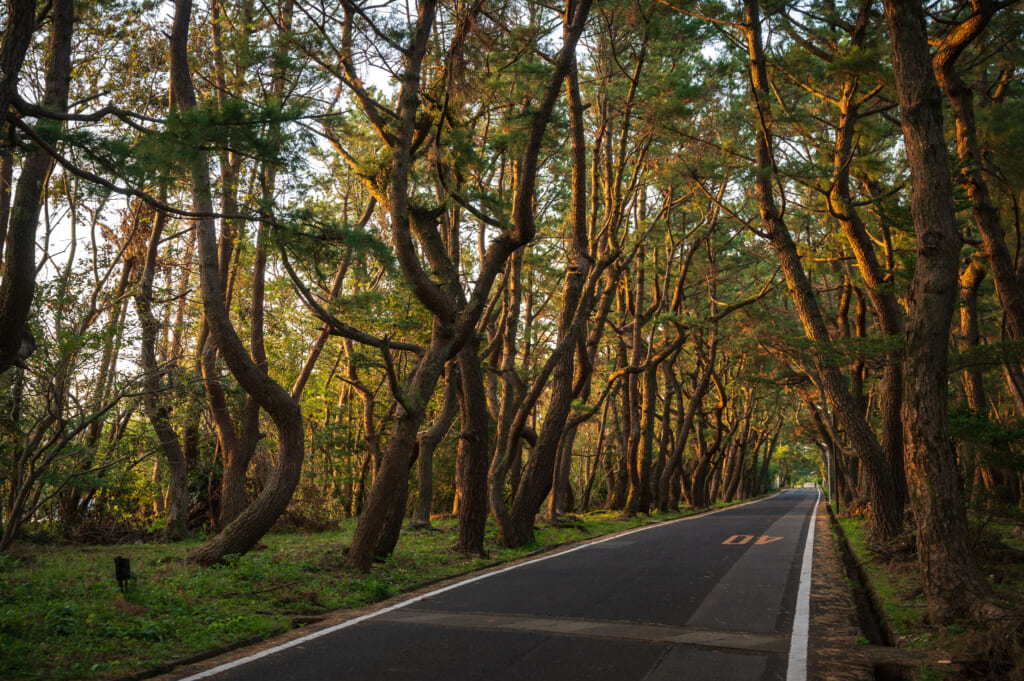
(835, 637)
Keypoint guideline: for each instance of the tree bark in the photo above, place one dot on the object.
(18, 268)
(886, 521)
(427, 441)
(246, 530)
(473, 450)
(878, 283)
(950, 577)
(176, 503)
(674, 463)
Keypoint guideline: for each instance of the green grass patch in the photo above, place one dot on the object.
(62, 615)
(895, 586)
(892, 572)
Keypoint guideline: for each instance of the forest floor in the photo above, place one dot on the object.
(63, 616)
(969, 651)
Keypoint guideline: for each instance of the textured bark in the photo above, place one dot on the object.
(246, 530)
(885, 520)
(632, 397)
(578, 269)
(972, 454)
(879, 284)
(674, 463)
(473, 450)
(950, 577)
(455, 318)
(507, 453)
(971, 176)
(516, 524)
(380, 520)
(427, 441)
(176, 503)
(380, 523)
(21, 24)
(18, 269)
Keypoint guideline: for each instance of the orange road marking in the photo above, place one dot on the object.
(767, 540)
(739, 539)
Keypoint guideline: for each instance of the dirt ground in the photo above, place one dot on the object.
(837, 650)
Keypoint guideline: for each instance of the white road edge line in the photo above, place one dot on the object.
(416, 599)
(797, 667)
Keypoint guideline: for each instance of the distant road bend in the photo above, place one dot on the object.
(718, 597)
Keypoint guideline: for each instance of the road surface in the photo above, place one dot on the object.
(710, 598)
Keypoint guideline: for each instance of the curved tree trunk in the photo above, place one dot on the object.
(878, 284)
(886, 520)
(18, 268)
(971, 177)
(674, 463)
(247, 529)
(176, 504)
(428, 440)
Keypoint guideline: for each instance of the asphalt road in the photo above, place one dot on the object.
(710, 598)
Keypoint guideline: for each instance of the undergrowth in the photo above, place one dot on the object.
(992, 650)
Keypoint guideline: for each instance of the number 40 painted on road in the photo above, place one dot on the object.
(738, 539)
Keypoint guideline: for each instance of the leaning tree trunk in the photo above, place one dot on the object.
(971, 177)
(428, 440)
(18, 267)
(249, 527)
(879, 286)
(952, 582)
(673, 464)
(886, 521)
(176, 507)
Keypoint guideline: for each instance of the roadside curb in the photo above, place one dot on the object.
(837, 651)
(881, 655)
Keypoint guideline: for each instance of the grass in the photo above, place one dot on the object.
(991, 650)
(62, 615)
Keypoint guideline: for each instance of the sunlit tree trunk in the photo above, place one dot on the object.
(886, 521)
(950, 577)
(247, 529)
(971, 176)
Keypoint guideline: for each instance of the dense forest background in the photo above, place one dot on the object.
(280, 264)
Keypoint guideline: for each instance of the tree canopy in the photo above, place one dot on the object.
(283, 264)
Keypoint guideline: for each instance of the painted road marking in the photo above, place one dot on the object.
(796, 670)
(741, 539)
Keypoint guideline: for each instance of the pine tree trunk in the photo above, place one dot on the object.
(428, 440)
(950, 577)
(159, 415)
(18, 267)
(473, 451)
(886, 518)
(247, 529)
